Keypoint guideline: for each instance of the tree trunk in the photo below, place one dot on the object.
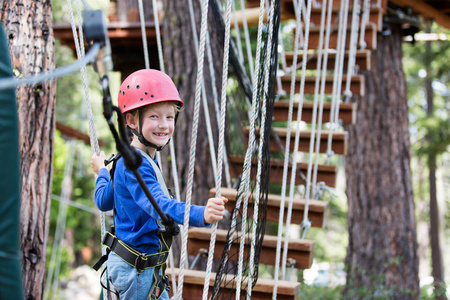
(436, 254)
(128, 10)
(382, 252)
(181, 65)
(28, 24)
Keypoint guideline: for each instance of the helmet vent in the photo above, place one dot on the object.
(128, 86)
(152, 96)
(137, 86)
(142, 98)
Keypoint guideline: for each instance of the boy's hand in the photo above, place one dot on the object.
(214, 209)
(98, 161)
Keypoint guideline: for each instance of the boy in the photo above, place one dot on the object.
(150, 102)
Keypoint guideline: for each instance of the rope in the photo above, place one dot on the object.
(364, 21)
(55, 259)
(352, 54)
(338, 70)
(248, 45)
(297, 139)
(144, 35)
(260, 153)
(193, 143)
(286, 154)
(322, 93)
(79, 44)
(244, 184)
(306, 223)
(238, 34)
(220, 154)
(204, 100)
(216, 105)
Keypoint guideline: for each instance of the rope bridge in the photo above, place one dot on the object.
(242, 244)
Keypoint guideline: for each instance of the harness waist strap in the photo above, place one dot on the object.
(135, 258)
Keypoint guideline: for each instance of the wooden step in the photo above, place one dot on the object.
(299, 250)
(288, 13)
(339, 140)
(316, 208)
(194, 280)
(347, 111)
(336, 3)
(357, 85)
(362, 60)
(370, 38)
(325, 173)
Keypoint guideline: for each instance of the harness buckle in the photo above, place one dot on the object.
(140, 261)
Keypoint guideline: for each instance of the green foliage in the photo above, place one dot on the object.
(320, 292)
(429, 131)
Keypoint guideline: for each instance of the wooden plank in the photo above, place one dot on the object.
(299, 250)
(347, 111)
(287, 13)
(370, 38)
(339, 140)
(325, 173)
(194, 280)
(76, 134)
(362, 60)
(316, 208)
(357, 85)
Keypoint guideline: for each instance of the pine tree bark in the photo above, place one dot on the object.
(28, 24)
(181, 65)
(382, 251)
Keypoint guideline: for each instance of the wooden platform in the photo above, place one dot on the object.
(316, 208)
(347, 111)
(299, 250)
(362, 60)
(357, 85)
(194, 280)
(325, 173)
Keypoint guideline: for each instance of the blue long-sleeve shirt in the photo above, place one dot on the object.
(135, 218)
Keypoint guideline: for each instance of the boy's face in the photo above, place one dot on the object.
(158, 123)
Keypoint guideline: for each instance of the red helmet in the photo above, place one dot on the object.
(146, 87)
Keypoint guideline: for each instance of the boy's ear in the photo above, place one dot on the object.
(131, 121)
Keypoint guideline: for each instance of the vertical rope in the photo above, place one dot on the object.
(338, 71)
(55, 259)
(352, 53)
(79, 45)
(243, 190)
(286, 154)
(158, 37)
(248, 45)
(220, 153)
(193, 144)
(297, 139)
(238, 34)
(260, 151)
(306, 223)
(365, 20)
(322, 93)
(144, 35)
(204, 100)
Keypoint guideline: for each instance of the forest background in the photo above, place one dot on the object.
(429, 133)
